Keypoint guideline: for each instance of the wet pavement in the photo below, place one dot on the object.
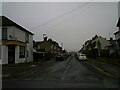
(12, 71)
(108, 69)
(70, 73)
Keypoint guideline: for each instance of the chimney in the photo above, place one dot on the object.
(45, 38)
(111, 38)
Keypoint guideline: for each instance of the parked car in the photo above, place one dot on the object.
(66, 55)
(82, 57)
(60, 57)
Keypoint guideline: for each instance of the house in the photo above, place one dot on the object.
(117, 34)
(48, 45)
(16, 43)
(117, 37)
(112, 46)
(96, 43)
(100, 43)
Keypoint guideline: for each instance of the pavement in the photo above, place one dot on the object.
(108, 69)
(13, 71)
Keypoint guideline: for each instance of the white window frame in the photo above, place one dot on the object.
(21, 53)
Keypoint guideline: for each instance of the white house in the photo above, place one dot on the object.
(117, 37)
(101, 42)
(117, 34)
(16, 43)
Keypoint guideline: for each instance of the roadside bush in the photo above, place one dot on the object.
(48, 56)
(104, 53)
(91, 53)
(115, 55)
(87, 52)
(94, 53)
(37, 56)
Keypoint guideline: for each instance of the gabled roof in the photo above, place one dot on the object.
(8, 22)
(116, 32)
(118, 24)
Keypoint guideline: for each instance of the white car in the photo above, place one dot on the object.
(82, 57)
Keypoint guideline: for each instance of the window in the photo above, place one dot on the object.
(27, 53)
(27, 37)
(4, 33)
(22, 52)
(0, 51)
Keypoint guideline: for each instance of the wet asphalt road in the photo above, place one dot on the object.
(70, 73)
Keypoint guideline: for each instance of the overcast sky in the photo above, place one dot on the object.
(70, 23)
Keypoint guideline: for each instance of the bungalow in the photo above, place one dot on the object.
(16, 43)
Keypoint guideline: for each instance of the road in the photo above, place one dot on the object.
(70, 73)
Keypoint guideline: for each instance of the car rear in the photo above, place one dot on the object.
(59, 58)
(82, 57)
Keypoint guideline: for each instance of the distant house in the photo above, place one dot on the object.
(117, 37)
(16, 43)
(96, 43)
(101, 43)
(48, 45)
(112, 46)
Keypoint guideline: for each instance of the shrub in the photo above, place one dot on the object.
(48, 56)
(104, 53)
(91, 53)
(37, 56)
(94, 53)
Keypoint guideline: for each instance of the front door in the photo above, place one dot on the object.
(11, 54)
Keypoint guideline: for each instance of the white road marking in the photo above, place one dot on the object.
(101, 70)
(66, 69)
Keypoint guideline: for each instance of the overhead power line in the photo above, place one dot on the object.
(63, 15)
